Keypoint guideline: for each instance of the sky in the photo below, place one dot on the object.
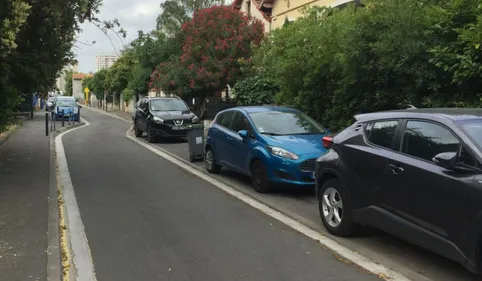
(132, 15)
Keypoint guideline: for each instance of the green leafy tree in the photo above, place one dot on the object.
(36, 40)
(98, 83)
(14, 14)
(335, 63)
(215, 40)
(68, 82)
(118, 74)
(255, 90)
(176, 12)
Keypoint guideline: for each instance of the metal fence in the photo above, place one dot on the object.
(215, 105)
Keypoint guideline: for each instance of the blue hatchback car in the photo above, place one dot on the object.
(67, 108)
(273, 145)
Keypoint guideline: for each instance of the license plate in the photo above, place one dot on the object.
(178, 128)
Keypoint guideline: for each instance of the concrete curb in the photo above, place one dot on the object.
(54, 256)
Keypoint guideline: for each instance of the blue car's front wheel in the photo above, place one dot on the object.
(210, 162)
(259, 177)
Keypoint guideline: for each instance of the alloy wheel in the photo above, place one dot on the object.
(332, 206)
(209, 160)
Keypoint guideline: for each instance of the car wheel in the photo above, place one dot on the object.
(335, 208)
(150, 136)
(259, 177)
(137, 132)
(210, 162)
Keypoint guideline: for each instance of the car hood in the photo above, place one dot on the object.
(170, 115)
(298, 144)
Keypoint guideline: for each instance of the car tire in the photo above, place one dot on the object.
(150, 137)
(210, 162)
(336, 210)
(137, 132)
(259, 178)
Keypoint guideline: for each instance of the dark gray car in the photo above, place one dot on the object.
(163, 118)
(416, 174)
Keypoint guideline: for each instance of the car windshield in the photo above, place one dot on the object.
(66, 102)
(474, 130)
(168, 105)
(285, 123)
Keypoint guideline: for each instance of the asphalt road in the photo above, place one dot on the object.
(410, 260)
(147, 219)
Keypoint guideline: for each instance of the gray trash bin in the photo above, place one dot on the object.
(195, 140)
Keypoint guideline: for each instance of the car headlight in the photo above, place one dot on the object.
(278, 151)
(158, 120)
(195, 119)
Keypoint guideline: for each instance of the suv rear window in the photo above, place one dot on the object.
(381, 132)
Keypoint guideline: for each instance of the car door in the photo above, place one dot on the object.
(426, 194)
(141, 115)
(221, 133)
(365, 157)
(238, 147)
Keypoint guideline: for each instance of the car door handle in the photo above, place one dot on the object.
(395, 169)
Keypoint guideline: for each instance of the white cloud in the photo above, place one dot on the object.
(132, 15)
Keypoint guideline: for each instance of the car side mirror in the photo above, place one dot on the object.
(446, 160)
(243, 134)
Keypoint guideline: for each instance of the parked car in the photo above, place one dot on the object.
(49, 105)
(136, 106)
(272, 145)
(163, 117)
(416, 174)
(67, 108)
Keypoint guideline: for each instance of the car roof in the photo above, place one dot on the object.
(453, 114)
(266, 108)
(163, 98)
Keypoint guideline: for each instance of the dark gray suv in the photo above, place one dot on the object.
(416, 174)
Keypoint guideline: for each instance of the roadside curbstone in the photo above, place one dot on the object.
(54, 256)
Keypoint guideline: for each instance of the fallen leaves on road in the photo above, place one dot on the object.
(8, 130)
(63, 233)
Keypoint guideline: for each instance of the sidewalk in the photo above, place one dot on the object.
(24, 208)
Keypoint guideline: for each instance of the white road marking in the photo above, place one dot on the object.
(354, 257)
(82, 262)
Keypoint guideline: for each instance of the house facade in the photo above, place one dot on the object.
(274, 13)
(77, 90)
(260, 10)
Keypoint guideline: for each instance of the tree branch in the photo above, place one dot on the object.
(108, 37)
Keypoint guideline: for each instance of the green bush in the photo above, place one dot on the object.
(255, 90)
(334, 63)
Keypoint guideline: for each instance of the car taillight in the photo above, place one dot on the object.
(327, 141)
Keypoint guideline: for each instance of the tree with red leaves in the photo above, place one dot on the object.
(214, 41)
